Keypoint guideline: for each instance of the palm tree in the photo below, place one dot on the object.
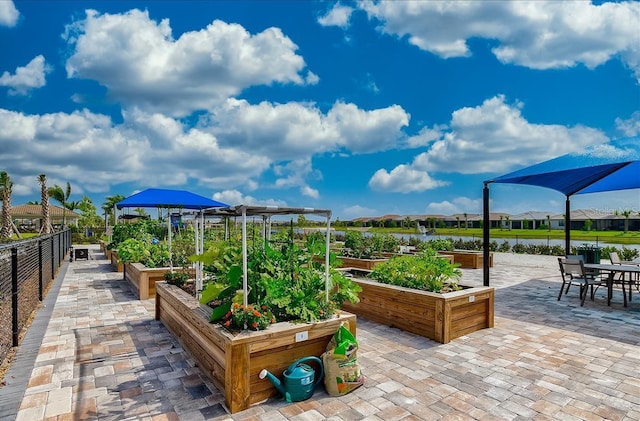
(548, 222)
(5, 194)
(626, 213)
(108, 206)
(44, 198)
(61, 196)
(466, 221)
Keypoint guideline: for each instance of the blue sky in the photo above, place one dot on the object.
(364, 108)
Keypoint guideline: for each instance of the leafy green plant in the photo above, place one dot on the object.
(176, 278)
(425, 272)
(132, 250)
(284, 280)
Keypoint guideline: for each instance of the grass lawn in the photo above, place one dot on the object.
(617, 237)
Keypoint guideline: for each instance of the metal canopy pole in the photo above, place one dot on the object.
(486, 225)
(567, 227)
(326, 258)
(244, 256)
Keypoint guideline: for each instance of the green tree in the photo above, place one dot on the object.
(62, 196)
(6, 232)
(302, 221)
(626, 213)
(89, 216)
(140, 211)
(549, 222)
(107, 207)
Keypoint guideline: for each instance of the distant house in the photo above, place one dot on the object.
(580, 219)
(29, 217)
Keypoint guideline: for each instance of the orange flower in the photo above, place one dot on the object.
(236, 305)
(264, 307)
(254, 325)
(256, 313)
(227, 323)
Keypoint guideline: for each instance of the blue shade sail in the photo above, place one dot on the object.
(163, 198)
(608, 167)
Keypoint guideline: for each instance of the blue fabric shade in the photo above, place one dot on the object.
(614, 166)
(164, 198)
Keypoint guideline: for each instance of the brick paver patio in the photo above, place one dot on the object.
(102, 356)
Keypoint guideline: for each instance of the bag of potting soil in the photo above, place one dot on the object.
(341, 369)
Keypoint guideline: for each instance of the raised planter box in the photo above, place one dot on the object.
(144, 278)
(469, 259)
(366, 264)
(441, 317)
(117, 265)
(233, 362)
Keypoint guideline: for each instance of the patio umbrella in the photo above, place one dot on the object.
(606, 167)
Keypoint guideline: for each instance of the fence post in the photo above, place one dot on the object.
(40, 270)
(53, 259)
(14, 295)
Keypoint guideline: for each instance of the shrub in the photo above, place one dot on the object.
(424, 272)
(176, 278)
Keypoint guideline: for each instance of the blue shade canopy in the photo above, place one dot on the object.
(163, 198)
(607, 167)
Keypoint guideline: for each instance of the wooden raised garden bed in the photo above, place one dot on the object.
(366, 264)
(117, 265)
(233, 362)
(441, 317)
(469, 259)
(144, 279)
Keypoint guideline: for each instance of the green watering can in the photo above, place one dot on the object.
(299, 380)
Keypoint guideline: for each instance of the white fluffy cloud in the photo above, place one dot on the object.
(356, 211)
(493, 137)
(234, 197)
(31, 76)
(8, 13)
(457, 205)
(539, 34)
(294, 130)
(338, 15)
(140, 62)
(631, 126)
(234, 147)
(403, 179)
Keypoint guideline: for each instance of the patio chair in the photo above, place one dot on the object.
(615, 260)
(573, 273)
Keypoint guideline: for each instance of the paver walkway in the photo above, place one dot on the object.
(104, 357)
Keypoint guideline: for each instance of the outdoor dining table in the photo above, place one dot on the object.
(613, 270)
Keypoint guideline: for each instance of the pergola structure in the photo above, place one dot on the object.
(266, 212)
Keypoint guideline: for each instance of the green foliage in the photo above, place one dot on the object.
(176, 278)
(136, 245)
(283, 280)
(439, 244)
(424, 272)
(365, 247)
(141, 230)
(133, 250)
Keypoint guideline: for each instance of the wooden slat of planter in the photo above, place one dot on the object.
(237, 388)
(211, 359)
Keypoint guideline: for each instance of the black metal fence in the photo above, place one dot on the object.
(26, 269)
